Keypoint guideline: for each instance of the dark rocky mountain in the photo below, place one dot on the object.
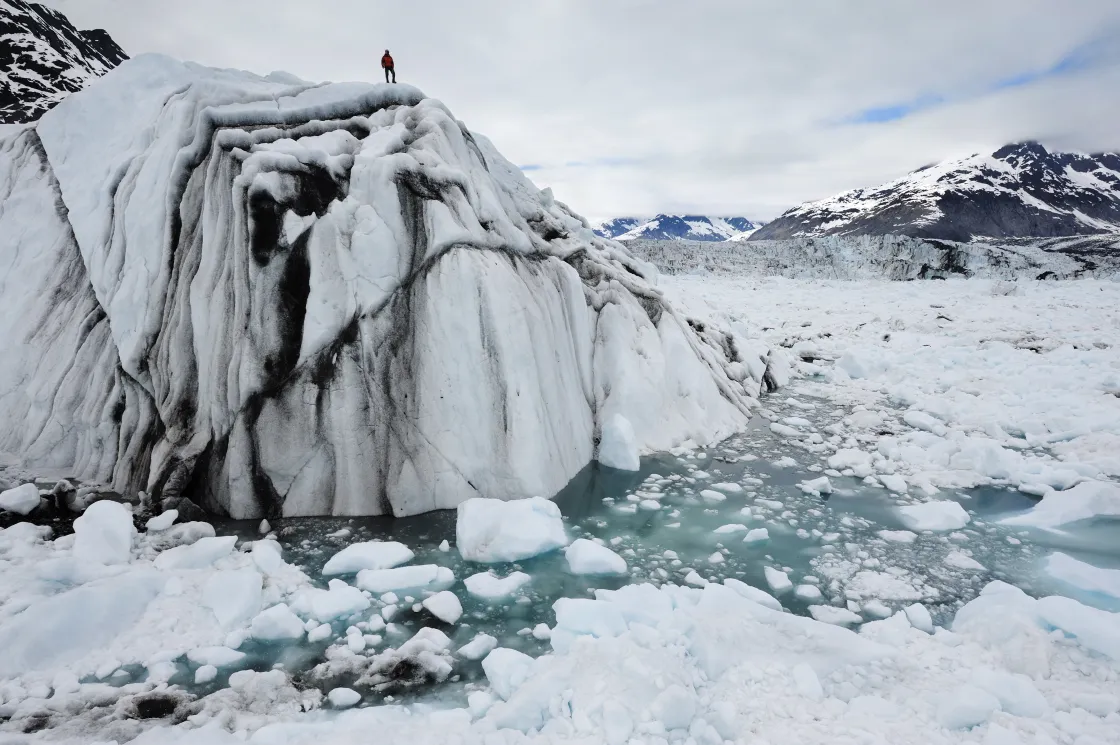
(677, 227)
(43, 59)
(1019, 191)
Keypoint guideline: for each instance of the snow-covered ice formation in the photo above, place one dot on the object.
(280, 298)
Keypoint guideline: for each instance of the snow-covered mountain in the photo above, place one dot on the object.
(43, 59)
(1019, 191)
(677, 227)
(295, 299)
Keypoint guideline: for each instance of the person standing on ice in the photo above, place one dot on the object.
(387, 65)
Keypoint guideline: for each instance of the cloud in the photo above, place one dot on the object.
(708, 106)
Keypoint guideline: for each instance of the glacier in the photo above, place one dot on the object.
(279, 298)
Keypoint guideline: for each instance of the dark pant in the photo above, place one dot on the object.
(389, 70)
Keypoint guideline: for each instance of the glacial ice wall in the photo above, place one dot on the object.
(279, 298)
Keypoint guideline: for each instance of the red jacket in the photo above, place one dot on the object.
(387, 62)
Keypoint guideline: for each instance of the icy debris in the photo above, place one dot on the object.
(444, 546)
(730, 528)
(893, 482)
(343, 698)
(490, 530)
(276, 623)
(233, 595)
(205, 674)
(711, 495)
(1085, 500)
(618, 447)
(753, 594)
(445, 606)
(728, 487)
(199, 555)
(103, 534)
(478, 647)
(693, 578)
(923, 421)
(423, 576)
(587, 557)
(162, 521)
(675, 707)
(319, 633)
(777, 579)
(1017, 694)
(808, 593)
(542, 632)
(833, 615)
(1086, 577)
(21, 500)
(489, 586)
(369, 555)
(506, 669)
(936, 516)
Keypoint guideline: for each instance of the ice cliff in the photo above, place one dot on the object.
(279, 298)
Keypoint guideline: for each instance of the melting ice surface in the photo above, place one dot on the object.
(694, 518)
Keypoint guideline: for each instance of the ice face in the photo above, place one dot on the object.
(203, 252)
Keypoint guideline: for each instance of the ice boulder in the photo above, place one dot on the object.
(423, 576)
(282, 299)
(445, 606)
(20, 500)
(198, 555)
(276, 623)
(506, 669)
(488, 586)
(618, 447)
(490, 530)
(103, 534)
(588, 557)
(233, 595)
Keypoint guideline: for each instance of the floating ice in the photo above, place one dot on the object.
(276, 623)
(506, 669)
(1087, 577)
(756, 535)
(369, 555)
(833, 615)
(215, 656)
(618, 447)
(935, 516)
(1086, 500)
(21, 500)
(753, 594)
(478, 647)
(343, 698)
(233, 595)
(777, 579)
(103, 534)
(162, 521)
(445, 606)
(961, 560)
(199, 555)
(490, 530)
(340, 600)
(423, 576)
(489, 586)
(587, 557)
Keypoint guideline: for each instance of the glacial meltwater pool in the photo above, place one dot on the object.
(688, 518)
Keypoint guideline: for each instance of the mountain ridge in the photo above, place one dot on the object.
(1021, 190)
(677, 227)
(44, 58)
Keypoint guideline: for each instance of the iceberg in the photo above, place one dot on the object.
(279, 298)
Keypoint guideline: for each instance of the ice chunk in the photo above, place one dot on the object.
(205, 674)
(935, 516)
(730, 528)
(674, 707)
(216, 656)
(343, 698)
(617, 723)
(423, 576)
(21, 500)
(1087, 577)
(199, 555)
(445, 606)
(506, 669)
(490, 530)
(276, 623)
(966, 706)
(266, 555)
(711, 495)
(728, 487)
(756, 535)
(777, 579)
(489, 586)
(893, 482)
(618, 447)
(1086, 500)
(319, 633)
(898, 536)
(587, 557)
(583, 617)
(817, 486)
(807, 682)
(103, 534)
(833, 615)
(919, 617)
(808, 593)
(369, 555)
(162, 521)
(478, 647)
(753, 594)
(234, 596)
(340, 600)
(961, 560)
(1017, 694)
(922, 420)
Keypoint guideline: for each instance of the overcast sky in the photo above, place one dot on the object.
(715, 106)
